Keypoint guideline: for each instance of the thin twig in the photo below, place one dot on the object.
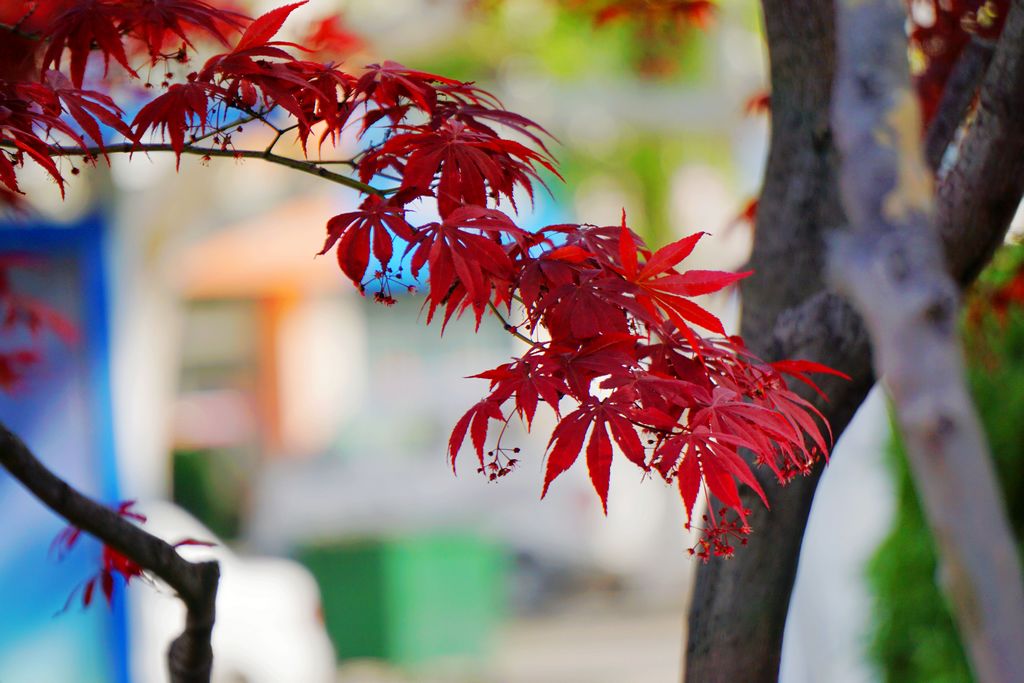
(509, 327)
(297, 164)
(225, 127)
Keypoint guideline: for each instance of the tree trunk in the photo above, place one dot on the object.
(739, 606)
(737, 616)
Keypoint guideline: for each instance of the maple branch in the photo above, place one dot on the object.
(892, 268)
(957, 96)
(249, 117)
(190, 657)
(509, 327)
(302, 165)
(273, 143)
(981, 192)
(280, 133)
(15, 29)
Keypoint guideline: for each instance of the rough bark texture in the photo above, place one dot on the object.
(979, 195)
(957, 97)
(738, 612)
(190, 657)
(739, 607)
(799, 202)
(892, 268)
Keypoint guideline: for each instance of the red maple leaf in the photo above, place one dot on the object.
(661, 289)
(332, 38)
(84, 26)
(596, 417)
(113, 564)
(530, 379)
(375, 223)
(470, 166)
(30, 116)
(465, 249)
(475, 421)
(154, 21)
(388, 84)
(183, 108)
(88, 108)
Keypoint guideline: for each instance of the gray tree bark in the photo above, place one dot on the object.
(891, 267)
(738, 612)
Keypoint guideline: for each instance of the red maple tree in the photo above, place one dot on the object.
(615, 344)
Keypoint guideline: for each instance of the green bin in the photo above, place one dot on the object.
(409, 600)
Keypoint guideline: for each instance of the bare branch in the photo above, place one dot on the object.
(190, 657)
(892, 269)
(509, 327)
(310, 167)
(979, 196)
(957, 96)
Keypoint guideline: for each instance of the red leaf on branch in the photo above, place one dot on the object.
(465, 249)
(798, 369)
(183, 108)
(263, 28)
(153, 21)
(88, 108)
(469, 165)
(331, 38)
(595, 417)
(375, 223)
(475, 422)
(84, 26)
(661, 290)
(389, 83)
(113, 563)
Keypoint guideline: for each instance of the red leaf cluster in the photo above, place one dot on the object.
(617, 347)
(628, 367)
(658, 26)
(330, 37)
(119, 28)
(45, 110)
(113, 565)
(698, 13)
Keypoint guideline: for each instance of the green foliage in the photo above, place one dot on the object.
(565, 44)
(914, 638)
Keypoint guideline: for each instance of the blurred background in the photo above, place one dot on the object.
(244, 393)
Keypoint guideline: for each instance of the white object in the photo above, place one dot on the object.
(269, 626)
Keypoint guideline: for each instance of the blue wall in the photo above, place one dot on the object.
(63, 412)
